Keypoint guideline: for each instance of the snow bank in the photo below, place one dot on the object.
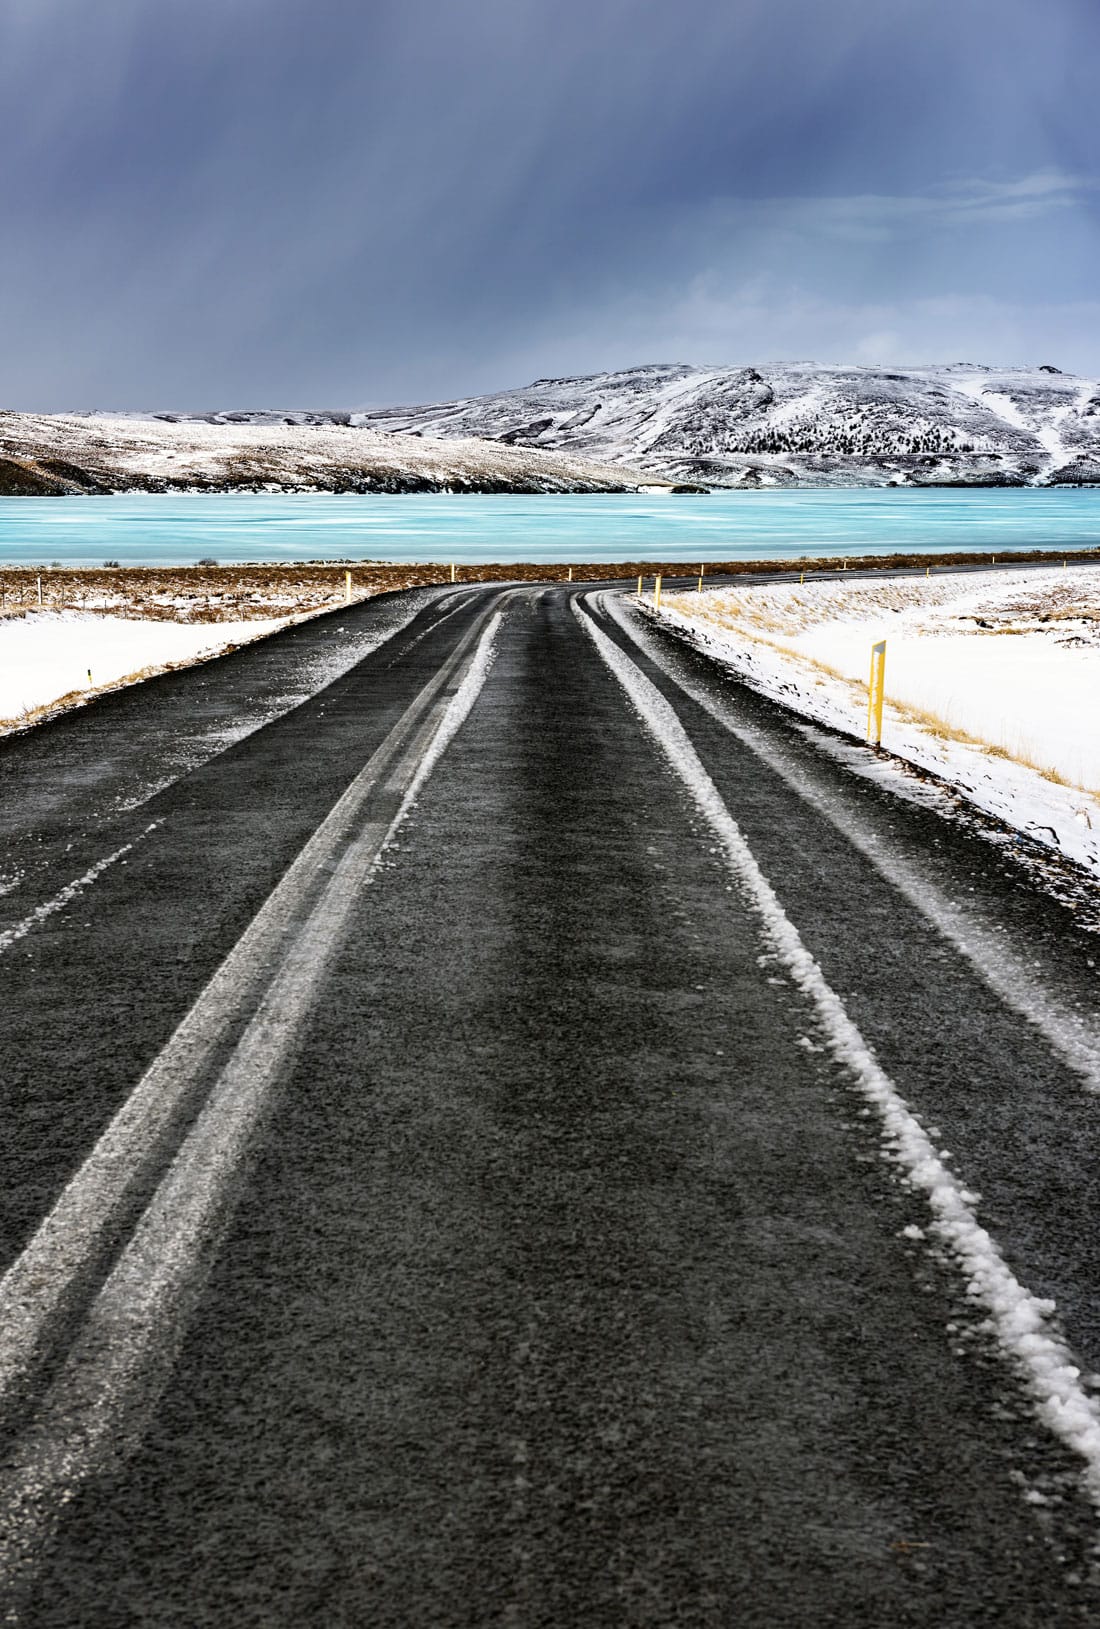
(989, 679)
(47, 655)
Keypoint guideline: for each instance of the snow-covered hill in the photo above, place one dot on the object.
(57, 453)
(797, 423)
(784, 424)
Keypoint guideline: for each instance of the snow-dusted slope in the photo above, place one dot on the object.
(798, 423)
(783, 424)
(100, 453)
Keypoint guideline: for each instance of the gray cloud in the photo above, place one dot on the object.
(254, 201)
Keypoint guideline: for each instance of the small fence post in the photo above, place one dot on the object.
(876, 687)
(657, 592)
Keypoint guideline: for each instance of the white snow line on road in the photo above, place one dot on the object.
(265, 707)
(163, 1261)
(1021, 1320)
(444, 599)
(1075, 1039)
(72, 890)
(456, 715)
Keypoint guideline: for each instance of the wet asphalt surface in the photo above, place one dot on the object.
(564, 1282)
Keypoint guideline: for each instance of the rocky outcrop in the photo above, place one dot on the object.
(798, 424)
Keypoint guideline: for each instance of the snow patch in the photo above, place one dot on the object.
(49, 654)
(984, 679)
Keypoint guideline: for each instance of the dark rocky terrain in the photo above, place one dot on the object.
(798, 423)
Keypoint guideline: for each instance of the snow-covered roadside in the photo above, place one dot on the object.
(987, 714)
(51, 656)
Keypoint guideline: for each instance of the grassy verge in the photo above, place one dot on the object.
(229, 593)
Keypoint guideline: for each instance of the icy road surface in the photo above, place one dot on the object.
(523, 1134)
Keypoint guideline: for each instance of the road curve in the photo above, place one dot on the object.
(521, 1130)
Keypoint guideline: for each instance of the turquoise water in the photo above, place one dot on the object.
(153, 530)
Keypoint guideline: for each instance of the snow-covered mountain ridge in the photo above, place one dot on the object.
(797, 423)
(781, 424)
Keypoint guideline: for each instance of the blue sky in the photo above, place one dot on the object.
(351, 202)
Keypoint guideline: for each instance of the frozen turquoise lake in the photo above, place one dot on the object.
(177, 530)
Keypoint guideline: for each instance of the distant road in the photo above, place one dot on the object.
(531, 1134)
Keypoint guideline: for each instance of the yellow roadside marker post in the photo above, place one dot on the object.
(657, 592)
(876, 687)
(347, 588)
(89, 678)
(570, 573)
(641, 580)
(700, 588)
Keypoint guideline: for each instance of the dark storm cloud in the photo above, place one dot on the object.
(257, 201)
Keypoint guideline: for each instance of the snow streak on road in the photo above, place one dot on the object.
(269, 982)
(1020, 1319)
(444, 1183)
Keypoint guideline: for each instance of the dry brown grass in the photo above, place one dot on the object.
(936, 725)
(232, 593)
(932, 723)
(205, 594)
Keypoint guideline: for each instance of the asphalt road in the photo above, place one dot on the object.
(463, 1155)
